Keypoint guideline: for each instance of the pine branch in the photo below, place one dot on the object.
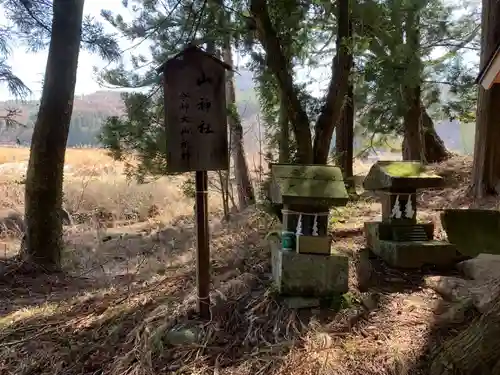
(27, 6)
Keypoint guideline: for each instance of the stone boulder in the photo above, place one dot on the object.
(473, 231)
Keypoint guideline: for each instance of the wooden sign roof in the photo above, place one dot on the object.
(490, 74)
(191, 50)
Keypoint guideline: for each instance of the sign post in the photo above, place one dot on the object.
(196, 129)
(203, 253)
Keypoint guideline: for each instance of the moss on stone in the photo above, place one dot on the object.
(400, 174)
(404, 169)
(317, 185)
(473, 231)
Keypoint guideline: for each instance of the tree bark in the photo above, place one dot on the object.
(337, 90)
(486, 165)
(434, 149)
(44, 181)
(474, 350)
(284, 124)
(345, 138)
(224, 192)
(413, 141)
(246, 194)
(279, 65)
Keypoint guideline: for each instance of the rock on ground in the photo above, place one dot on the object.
(481, 288)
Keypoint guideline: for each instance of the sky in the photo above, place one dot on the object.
(30, 67)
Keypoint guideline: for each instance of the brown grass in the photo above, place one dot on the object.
(129, 283)
(95, 189)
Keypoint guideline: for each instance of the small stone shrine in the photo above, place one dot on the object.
(398, 239)
(304, 264)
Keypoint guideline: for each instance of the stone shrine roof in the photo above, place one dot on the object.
(404, 175)
(317, 185)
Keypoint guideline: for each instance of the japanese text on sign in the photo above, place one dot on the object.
(196, 117)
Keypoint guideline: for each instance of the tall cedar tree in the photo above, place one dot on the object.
(344, 139)
(278, 64)
(486, 167)
(245, 191)
(398, 83)
(61, 22)
(44, 181)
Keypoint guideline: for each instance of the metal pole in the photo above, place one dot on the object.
(203, 253)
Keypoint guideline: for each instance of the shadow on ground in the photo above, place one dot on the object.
(125, 257)
(118, 330)
(148, 325)
(446, 324)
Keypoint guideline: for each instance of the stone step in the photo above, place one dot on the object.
(409, 233)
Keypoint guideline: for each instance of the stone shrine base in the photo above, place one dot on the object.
(308, 275)
(410, 254)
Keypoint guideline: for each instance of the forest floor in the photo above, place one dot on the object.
(126, 302)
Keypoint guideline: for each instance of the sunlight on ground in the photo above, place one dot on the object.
(26, 313)
(105, 206)
(130, 279)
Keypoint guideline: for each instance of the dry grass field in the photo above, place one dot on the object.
(130, 282)
(96, 192)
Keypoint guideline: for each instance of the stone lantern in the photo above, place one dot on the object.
(399, 238)
(305, 263)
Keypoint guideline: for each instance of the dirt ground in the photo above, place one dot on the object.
(128, 286)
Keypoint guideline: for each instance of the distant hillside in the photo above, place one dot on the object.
(90, 111)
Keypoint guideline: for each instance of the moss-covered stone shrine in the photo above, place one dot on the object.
(304, 264)
(473, 231)
(398, 238)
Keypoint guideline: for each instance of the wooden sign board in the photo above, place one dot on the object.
(195, 112)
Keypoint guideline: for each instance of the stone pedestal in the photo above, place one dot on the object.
(314, 245)
(412, 253)
(308, 275)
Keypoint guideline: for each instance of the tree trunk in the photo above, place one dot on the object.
(486, 165)
(434, 149)
(474, 350)
(44, 181)
(224, 192)
(244, 186)
(278, 63)
(284, 141)
(413, 141)
(332, 109)
(345, 138)
(281, 68)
